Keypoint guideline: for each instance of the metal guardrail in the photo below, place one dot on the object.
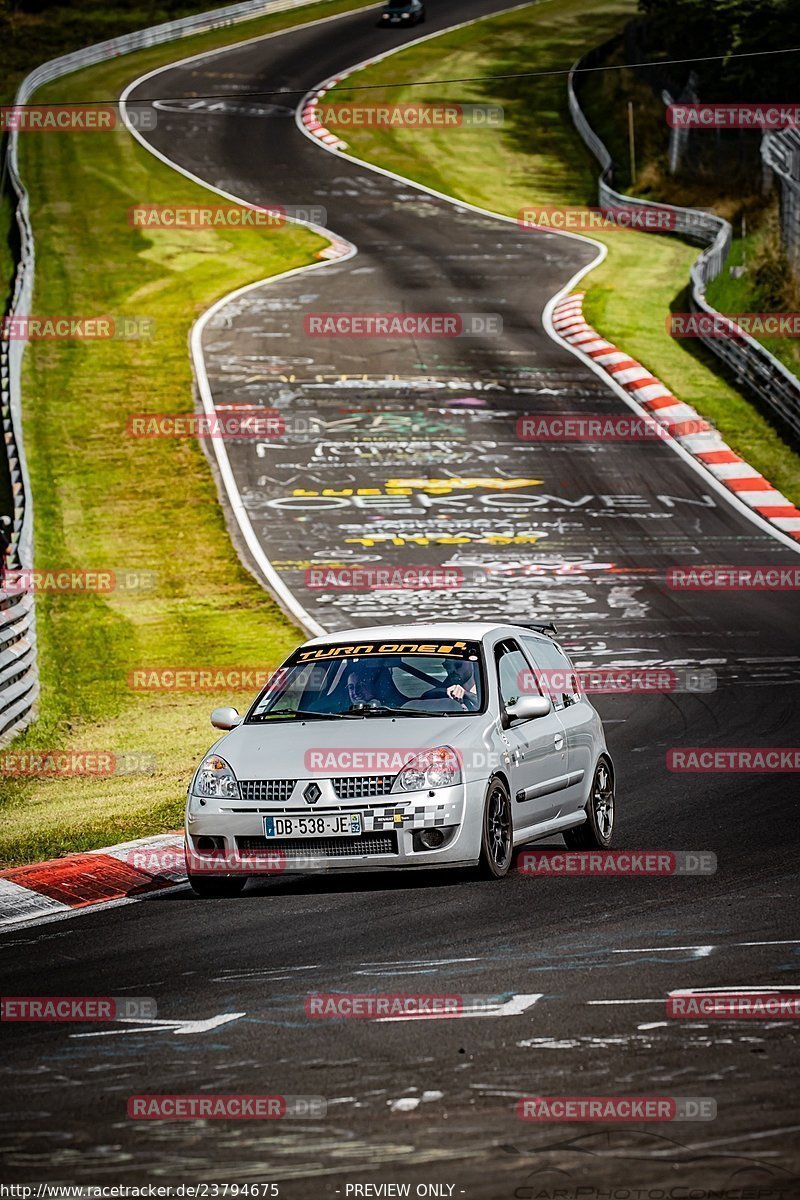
(780, 153)
(19, 675)
(752, 365)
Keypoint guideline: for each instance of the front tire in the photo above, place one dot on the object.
(597, 830)
(216, 889)
(497, 841)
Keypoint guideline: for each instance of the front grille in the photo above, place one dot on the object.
(267, 789)
(370, 843)
(358, 787)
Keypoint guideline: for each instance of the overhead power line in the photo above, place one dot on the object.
(406, 83)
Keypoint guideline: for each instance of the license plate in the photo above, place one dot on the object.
(331, 825)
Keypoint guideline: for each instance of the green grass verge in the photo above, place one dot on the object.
(103, 499)
(765, 284)
(536, 158)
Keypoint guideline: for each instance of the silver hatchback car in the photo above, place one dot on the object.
(441, 745)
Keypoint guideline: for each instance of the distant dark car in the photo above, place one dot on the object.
(402, 12)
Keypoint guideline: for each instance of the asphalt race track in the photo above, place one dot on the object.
(580, 968)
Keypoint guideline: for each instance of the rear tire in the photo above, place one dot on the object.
(597, 831)
(216, 889)
(497, 841)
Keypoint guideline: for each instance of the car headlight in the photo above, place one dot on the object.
(430, 769)
(215, 779)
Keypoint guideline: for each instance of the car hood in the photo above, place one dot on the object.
(305, 749)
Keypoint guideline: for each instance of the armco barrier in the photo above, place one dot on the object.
(780, 153)
(19, 679)
(753, 365)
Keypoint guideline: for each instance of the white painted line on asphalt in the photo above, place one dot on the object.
(274, 973)
(705, 949)
(739, 1137)
(421, 962)
(729, 989)
(784, 942)
(393, 972)
(154, 1025)
(657, 1000)
(735, 990)
(274, 581)
(698, 951)
(511, 1008)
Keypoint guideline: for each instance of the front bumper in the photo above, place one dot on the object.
(388, 842)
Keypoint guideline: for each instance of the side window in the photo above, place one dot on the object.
(513, 672)
(556, 672)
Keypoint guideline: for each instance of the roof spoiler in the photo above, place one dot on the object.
(549, 628)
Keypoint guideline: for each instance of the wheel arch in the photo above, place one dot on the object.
(501, 775)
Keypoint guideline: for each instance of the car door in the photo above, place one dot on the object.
(558, 677)
(536, 749)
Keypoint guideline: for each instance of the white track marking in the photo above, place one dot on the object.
(784, 942)
(422, 962)
(739, 1137)
(705, 949)
(746, 989)
(274, 581)
(512, 1008)
(152, 1025)
(730, 989)
(698, 951)
(657, 1000)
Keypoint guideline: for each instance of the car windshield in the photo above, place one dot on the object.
(373, 679)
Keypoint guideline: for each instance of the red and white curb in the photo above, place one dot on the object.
(310, 119)
(309, 115)
(681, 421)
(125, 872)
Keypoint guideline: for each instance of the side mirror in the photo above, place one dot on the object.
(225, 718)
(529, 707)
